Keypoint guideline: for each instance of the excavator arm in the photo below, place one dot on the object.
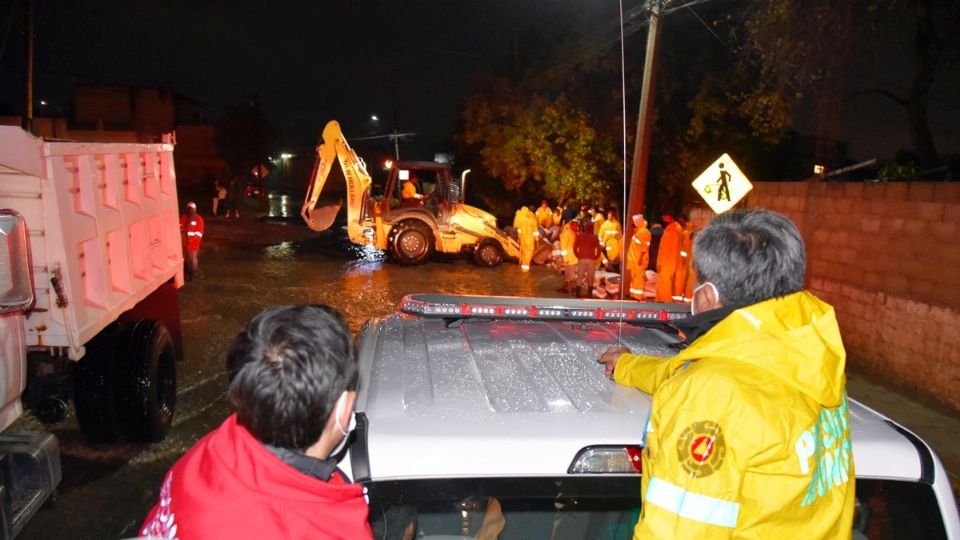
(335, 146)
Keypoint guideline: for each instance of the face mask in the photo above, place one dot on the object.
(693, 303)
(345, 432)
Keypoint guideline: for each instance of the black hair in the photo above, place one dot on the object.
(750, 256)
(287, 368)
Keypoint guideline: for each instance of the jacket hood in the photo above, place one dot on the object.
(794, 337)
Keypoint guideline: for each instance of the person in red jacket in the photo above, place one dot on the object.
(191, 226)
(269, 471)
(587, 249)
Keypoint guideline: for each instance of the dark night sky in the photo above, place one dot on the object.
(311, 61)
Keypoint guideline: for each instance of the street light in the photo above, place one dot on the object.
(374, 118)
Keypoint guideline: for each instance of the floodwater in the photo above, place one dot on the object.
(246, 266)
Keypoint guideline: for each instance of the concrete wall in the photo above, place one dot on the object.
(887, 257)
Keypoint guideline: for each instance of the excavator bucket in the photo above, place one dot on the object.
(320, 219)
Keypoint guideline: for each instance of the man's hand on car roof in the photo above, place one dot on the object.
(609, 359)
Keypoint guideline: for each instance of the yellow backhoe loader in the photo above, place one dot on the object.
(420, 212)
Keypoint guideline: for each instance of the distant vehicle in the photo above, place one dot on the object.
(90, 264)
(410, 230)
(489, 417)
(254, 191)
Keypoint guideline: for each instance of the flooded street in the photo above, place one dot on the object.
(248, 265)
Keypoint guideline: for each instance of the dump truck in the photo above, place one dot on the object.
(90, 263)
(409, 227)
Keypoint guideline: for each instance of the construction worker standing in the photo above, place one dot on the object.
(638, 257)
(527, 233)
(611, 237)
(191, 226)
(683, 267)
(568, 237)
(668, 256)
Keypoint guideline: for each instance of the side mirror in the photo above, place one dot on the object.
(16, 276)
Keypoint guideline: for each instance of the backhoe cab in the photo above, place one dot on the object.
(420, 211)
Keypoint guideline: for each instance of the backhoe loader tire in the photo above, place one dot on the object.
(488, 253)
(411, 242)
(542, 253)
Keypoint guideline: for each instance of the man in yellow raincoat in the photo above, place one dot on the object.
(527, 233)
(611, 236)
(545, 215)
(568, 236)
(638, 257)
(749, 434)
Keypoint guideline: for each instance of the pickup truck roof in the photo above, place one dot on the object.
(458, 386)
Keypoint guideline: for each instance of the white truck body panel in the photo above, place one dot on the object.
(105, 215)
(12, 379)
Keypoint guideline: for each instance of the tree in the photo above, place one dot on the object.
(798, 46)
(244, 136)
(540, 144)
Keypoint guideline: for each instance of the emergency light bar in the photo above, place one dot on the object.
(561, 309)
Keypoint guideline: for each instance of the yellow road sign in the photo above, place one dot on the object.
(722, 185)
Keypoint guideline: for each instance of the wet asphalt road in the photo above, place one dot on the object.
(249, 265)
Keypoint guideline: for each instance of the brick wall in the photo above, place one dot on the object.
(887, 257)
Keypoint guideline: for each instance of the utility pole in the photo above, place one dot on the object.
(641, 151)
(28, 108)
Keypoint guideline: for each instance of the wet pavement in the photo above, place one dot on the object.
(248, 265)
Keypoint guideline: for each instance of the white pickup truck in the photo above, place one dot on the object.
(489, 417)
(90, 264)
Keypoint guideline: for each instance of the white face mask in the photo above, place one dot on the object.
(693, 303)
(345, 432)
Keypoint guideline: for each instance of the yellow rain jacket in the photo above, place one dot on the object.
(567, 238)
(611, 235)
(545, 216)
(749, 434)
(527, 233)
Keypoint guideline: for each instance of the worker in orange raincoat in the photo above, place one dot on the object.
(748, 434)
(668, 258)
(527, 233)
(638, 257)
(683, 266)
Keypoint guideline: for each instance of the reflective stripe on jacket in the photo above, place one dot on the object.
(192, 227)
(749, 433)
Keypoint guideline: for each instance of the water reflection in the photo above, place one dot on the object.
(282, 205)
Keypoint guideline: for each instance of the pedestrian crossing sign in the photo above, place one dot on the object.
(722, 185)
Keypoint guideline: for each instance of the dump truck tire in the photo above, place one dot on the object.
(147, 389)
(94, 387)
(411, 242)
